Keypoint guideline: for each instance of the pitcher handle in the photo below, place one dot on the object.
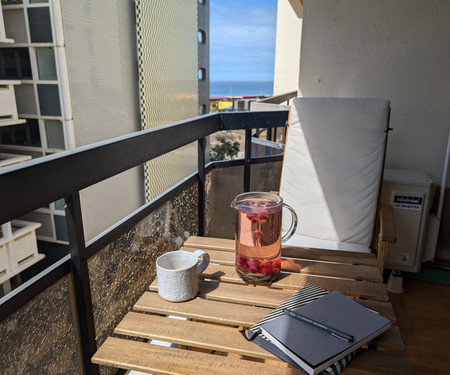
(293, 226)
(205, 260)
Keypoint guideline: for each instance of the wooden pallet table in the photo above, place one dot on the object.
(207, 340)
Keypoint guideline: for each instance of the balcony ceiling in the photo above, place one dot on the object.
(297, 6)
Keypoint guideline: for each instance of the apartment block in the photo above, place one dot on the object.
(77, 72)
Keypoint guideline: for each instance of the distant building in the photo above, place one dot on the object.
(233, 103)
(85, 71)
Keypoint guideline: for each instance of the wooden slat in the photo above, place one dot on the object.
(265, 297)
(189, 333)
(153, 359)
(216, 256)
(234, 293)
(226, 312)
(358, 289)
(346, 271)
(216, 337)
(348, 257)
(390, 340)
(203, 309)
(374, 362)
(210, 243)
(235, 315)
(230, 303)
(382, 307)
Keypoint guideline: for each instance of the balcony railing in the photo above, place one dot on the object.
(83, 167)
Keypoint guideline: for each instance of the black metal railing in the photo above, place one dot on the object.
(283, 98)
(279, 98)
(63, 175)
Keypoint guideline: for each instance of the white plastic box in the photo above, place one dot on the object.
(18, 248)
(410, 193)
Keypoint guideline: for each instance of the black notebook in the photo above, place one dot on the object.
(311, 347)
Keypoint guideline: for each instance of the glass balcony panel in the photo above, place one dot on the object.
(55, 134)
(46, 64)
(226, 183)
(46, 229)
(61, 228)
(60, 204)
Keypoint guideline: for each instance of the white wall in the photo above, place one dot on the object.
(287, 48)
(397, 50)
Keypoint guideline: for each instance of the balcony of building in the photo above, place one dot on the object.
(53, 321)
(69, 308)
(105, 274)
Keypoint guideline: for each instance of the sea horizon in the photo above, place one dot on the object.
(238, 88)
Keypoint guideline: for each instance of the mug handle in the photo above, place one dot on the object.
(293, 226)
(205, 260)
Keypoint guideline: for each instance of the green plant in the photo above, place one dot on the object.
(227, 148)
(213, 107)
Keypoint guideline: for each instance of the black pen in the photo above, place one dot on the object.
(333, 331)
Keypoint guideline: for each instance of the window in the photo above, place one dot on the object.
(60, 204)
(46, 64)
(61, 228)
(25, 66)
(201, 36)
(22, 135)
(55, 134)
(9, 66)
(49, 100)
(40, 25)
(201, 74)
(25, 99)
(15, 63)
(201, 109)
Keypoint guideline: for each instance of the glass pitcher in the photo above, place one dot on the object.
(258, 235)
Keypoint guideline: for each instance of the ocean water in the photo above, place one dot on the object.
(237, 88)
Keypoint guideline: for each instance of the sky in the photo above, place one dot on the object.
(242, 40)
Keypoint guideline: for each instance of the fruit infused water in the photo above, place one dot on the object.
(258, 240)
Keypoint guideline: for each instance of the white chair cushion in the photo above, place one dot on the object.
(333, 165)
(316, 243)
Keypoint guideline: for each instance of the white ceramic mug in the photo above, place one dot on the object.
(177, 273)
